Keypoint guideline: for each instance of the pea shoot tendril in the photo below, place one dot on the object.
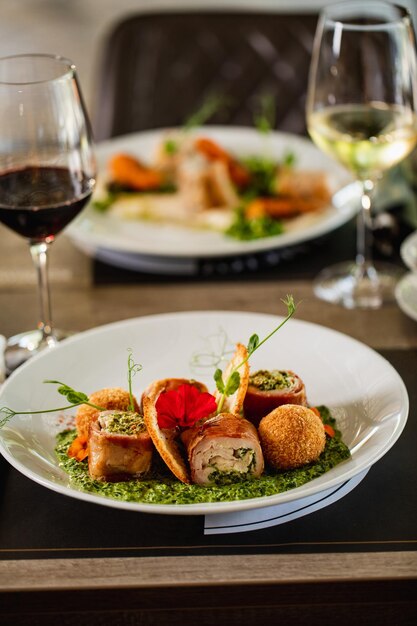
(75, 398)
(228, 387)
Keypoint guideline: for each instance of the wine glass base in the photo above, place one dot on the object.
(348, 285)
(20, 348)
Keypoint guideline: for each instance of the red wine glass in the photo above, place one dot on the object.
(47, 170)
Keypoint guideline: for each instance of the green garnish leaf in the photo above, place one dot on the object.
(289, 159)
(171, 146)
(210, 106)
(291, 307)
(263, 174)
(233, 380)
(104, 203)
(218, 379)
(253, 343)
(232, 383)
(75, 397)
(245, 229)
(264, 118)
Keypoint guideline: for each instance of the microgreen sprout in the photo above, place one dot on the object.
(228, 387)
(132, 369)
(264, 119)
(209, 107)
(76, 398)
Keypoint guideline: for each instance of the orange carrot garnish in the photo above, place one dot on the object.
(130, 172)
(79, 448)
(238, 173)
(279, 207)
(329, 430)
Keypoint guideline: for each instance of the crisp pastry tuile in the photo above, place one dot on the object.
(234, 403)
(165, 440)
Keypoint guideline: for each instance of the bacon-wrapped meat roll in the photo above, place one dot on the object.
(120, 447)
(223, 448)
(269, 389)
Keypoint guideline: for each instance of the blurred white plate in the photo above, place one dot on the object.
(406, 295)
(408, 251)
(95, 232)
(366, 395)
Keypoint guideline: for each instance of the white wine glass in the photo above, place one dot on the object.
(361, 110)
(47, 170)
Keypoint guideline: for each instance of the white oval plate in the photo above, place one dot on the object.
(367, 396)
(93, 230)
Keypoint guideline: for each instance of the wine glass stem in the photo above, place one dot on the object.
(39, 252)
(364, 260)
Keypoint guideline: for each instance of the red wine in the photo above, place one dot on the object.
(38, 202)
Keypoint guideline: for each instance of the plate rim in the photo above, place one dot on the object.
(309, 488)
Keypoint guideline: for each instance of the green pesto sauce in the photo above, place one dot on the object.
(125, 423)
(161, 487)
(268, 380)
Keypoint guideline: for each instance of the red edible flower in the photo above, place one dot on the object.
(184, 406)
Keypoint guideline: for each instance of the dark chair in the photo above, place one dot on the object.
(158, 68)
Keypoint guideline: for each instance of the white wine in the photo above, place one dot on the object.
(367, 139)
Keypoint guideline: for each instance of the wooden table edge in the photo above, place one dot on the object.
(158, 572)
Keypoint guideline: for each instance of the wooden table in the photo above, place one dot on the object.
(360, 586)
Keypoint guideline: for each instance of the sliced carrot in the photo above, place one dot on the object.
(211, 149)
(271, 207)
(238, 173)
(128, 171)
(316, 411)
(281, 207)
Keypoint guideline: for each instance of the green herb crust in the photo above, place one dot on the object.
(160, 487)
(125, 423)
(268, 380)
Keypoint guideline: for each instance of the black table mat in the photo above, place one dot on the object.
(300, 261)
(380, 514)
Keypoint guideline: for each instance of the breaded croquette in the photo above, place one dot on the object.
(291, 436)
(108, 399)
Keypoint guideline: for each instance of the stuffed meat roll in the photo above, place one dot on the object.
(222, 449)
(120, 447)
(269, 389)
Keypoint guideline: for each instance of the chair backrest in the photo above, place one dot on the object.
(158, 68)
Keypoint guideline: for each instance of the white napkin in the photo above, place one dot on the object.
(256, 519)
(2, 363)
